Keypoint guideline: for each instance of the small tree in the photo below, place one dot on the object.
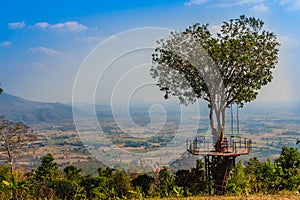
(252, 167)
(14, 137)
(289, 161)
(72, 173)
(43, 179)
(48, 170)
(270, 176)
(238, 183)
(120, 184)
(223, 70)
(144, 181)
(289, 158)
(90, 185)
(166, 182)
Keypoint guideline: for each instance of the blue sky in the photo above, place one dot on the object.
(43, 43)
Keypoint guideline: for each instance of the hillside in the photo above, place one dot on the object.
(30, 112)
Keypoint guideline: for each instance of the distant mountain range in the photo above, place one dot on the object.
(30, 112)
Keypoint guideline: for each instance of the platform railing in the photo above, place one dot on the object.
(230, 145)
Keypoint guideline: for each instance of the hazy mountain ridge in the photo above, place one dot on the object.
(31, 112)
(18, 109)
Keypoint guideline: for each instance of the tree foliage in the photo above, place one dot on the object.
(251, 170)
(289, 158)
(166, 182)
(238, 183)
(144, 181)
(270, 176)
(47, 181)
(224, 69)
(48, 169)
(289, 161)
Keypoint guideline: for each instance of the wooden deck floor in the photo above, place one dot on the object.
(215, 153)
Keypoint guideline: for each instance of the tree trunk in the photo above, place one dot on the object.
(214, 129)
(10, 160)
(218, 129)
(11, 167)
(223, 123)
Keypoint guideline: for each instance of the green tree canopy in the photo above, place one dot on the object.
(48, 169)
(225, 69)
(72, 173)
(289, 161)
(144, 181)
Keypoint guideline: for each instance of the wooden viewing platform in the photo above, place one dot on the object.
(232, 146)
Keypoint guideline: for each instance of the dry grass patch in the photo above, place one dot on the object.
(290, 196)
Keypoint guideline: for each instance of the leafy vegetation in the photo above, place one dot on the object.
(47, 181)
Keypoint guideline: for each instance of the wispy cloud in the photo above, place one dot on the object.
(91, 38)
(195, 2)
(287, 42)
(290, 4)
(31, 65)
(69, 26)
(260, 8)
(44, 50)
(256, 5)
(42, 25)
(223, 3)
(36, 65)
(5, 44)
(16, 25)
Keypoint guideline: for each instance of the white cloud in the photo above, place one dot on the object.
(260, 8)
(195, 2)
(258, 5)
(41, 25)
(290, 4)
(44, 50)
(92, 38)
(226, 3)
(69, 26)
(287, 42)
(16, 25)
(286, 2)
(6, 44)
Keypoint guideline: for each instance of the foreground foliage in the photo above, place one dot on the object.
(249, 180)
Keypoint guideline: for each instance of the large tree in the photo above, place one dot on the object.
(223, 69)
